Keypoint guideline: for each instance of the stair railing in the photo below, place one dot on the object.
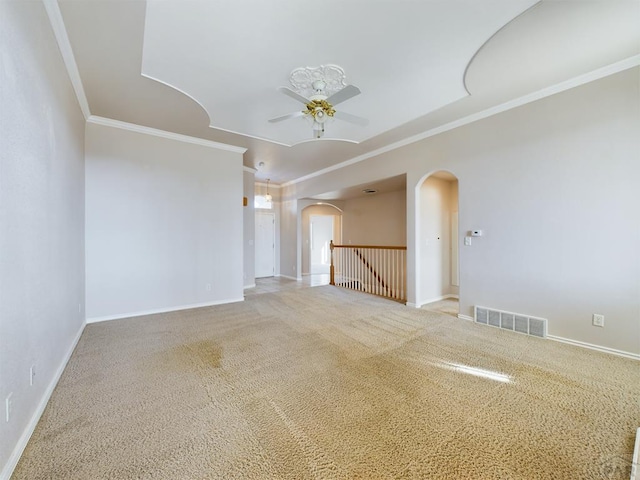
(380, 270)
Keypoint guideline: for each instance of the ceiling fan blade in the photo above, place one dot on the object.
(347, 117)
(287, 117)
(345, 94)
(294, 95)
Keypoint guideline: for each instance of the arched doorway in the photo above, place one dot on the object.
(321, 223)
(438, 243)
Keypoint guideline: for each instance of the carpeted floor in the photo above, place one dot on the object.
(327, 383)
(448, 306)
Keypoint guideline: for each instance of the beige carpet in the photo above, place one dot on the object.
(448, 306)
(328, 383)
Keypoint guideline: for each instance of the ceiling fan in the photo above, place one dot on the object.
(319, 107)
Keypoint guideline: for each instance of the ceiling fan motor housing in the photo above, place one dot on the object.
(320, 110)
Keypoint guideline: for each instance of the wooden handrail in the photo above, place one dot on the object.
(381, 247)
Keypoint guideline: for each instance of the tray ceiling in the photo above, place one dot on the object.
(230, 57)
(210, 69)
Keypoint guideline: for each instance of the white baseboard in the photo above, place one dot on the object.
(411, 304)
(253, 285)
(163, 310)
(465, 317)
(437, 299)
(613, 351)
(35, 418)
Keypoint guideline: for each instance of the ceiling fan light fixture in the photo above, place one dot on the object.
(327, 88)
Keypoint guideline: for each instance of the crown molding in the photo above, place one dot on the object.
(60, 32)
(108, 122)
(249, 169)
(592, 76)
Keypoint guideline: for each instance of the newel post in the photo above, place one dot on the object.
(331, 271)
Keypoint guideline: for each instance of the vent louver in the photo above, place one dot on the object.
(515, 322)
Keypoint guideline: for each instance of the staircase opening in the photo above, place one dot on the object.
(380, 270)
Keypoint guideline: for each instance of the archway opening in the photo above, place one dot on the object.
(321, 223)
(439, 242)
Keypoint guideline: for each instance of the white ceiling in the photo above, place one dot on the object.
(210, 68)
(407, 61)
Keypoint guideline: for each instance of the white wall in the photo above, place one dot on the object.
(554, 186)
(378, 219)
(454, 287)
(164, 224)
(290, 241)
(248, 229)
(41, 219)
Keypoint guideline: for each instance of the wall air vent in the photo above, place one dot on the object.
(515, 322)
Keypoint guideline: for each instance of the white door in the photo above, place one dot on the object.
(320, 235)
(265, 244)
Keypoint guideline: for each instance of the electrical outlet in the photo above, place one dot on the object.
(8, 403)
(598, 320)
(208, 287)
(467, 241)
(32, 375)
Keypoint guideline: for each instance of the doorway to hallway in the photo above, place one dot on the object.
(320, 236)
(438, 240)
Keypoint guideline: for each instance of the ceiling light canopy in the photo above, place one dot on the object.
(309, 81)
